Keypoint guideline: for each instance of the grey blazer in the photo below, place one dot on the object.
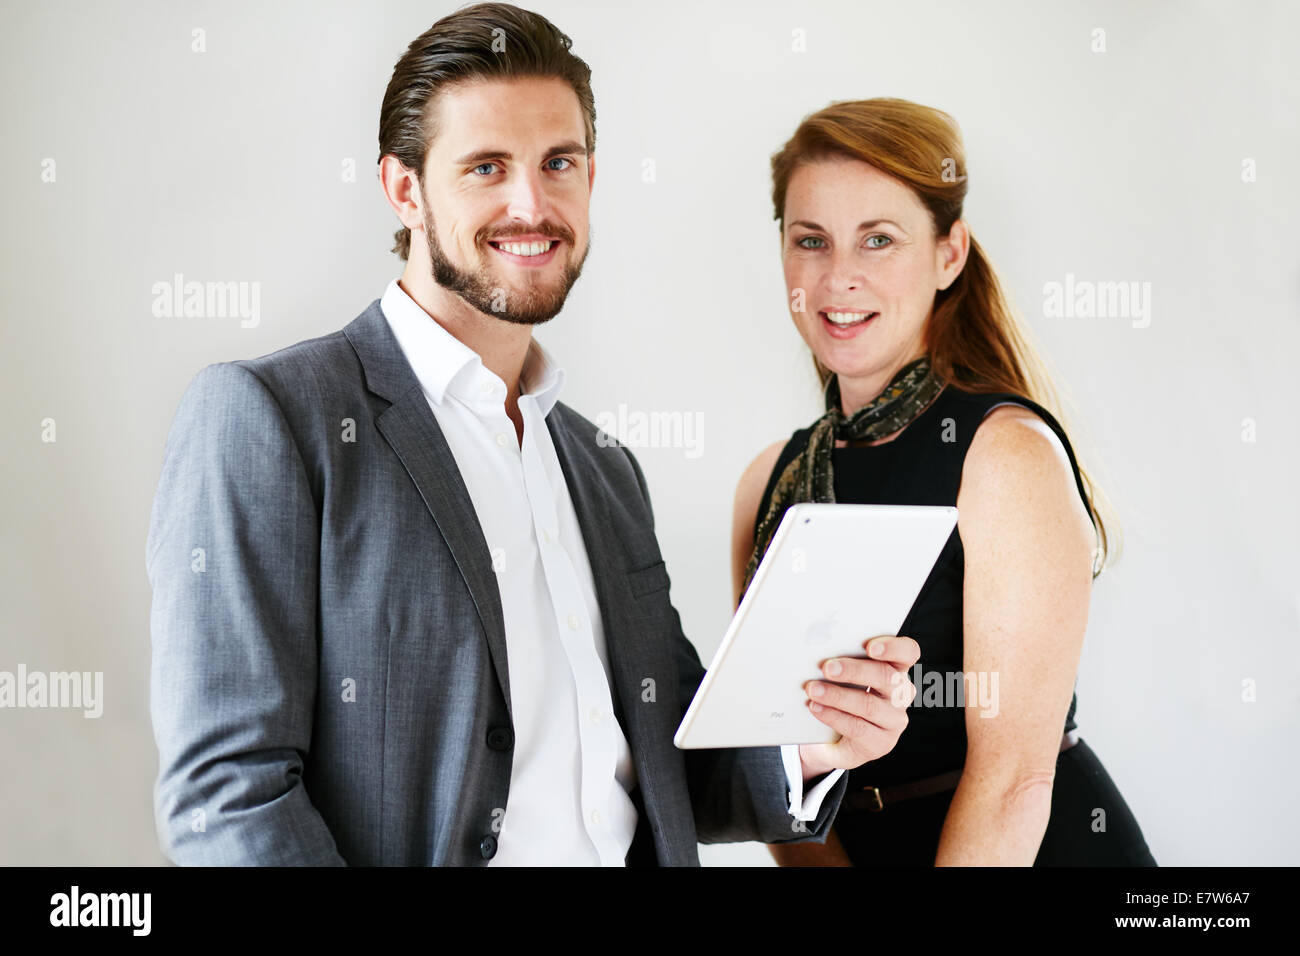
(329, 679)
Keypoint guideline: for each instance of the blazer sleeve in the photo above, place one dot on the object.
(738, 794)
(232, 556)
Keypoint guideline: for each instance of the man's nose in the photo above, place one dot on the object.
(527, 200)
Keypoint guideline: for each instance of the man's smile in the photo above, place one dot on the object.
(526, 251)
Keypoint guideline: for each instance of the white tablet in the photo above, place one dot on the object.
(833, 576)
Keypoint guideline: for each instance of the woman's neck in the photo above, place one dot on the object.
(857, 393)
(840, 443)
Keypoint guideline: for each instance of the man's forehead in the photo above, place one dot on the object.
(526, 112)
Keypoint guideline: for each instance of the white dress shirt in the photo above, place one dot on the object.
(572, 769)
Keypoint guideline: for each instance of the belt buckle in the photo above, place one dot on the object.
(875, 793)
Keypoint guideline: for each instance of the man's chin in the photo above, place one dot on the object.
(527, 306)
(522, 318)
(529, 312)
(532, 301)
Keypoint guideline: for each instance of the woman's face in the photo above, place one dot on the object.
(860, 246)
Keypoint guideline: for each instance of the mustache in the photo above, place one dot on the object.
(547, 229)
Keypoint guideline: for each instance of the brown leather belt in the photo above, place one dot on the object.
(875, 798)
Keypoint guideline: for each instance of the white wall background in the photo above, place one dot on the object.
(1124, 165)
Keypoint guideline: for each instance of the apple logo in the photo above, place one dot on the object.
(819, 632)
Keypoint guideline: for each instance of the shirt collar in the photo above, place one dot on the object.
(444, 365)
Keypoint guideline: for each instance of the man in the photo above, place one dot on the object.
(408, 609)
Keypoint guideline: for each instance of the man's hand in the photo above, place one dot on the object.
(865, 700)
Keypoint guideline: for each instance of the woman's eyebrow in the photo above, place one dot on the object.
(869, 224)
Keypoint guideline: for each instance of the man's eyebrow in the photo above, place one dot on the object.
(486, 155)
(869, 224)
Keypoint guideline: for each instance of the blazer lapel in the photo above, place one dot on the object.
(410, 427)
(608, 568)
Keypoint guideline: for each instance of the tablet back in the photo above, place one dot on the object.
(833, 576)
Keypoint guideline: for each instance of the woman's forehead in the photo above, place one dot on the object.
(845, 189)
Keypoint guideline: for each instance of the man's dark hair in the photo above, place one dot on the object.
(480, 42)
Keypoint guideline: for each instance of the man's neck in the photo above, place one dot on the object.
(502, 346)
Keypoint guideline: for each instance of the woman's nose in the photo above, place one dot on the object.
(846, 273)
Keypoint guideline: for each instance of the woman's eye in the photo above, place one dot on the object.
(807, 239)
(559, 159)
(885, 240)
(484, 166)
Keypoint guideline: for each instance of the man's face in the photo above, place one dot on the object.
(506, 190)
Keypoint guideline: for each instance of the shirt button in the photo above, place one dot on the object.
(595, 715)
(485, 388)
(501, 439)
(595, 818)
(574, 622)
(546, 536)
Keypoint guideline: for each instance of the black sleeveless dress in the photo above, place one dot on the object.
(922, 466)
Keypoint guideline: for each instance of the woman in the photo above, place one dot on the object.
(934, 397)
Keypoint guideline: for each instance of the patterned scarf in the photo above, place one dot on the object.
(809, 477)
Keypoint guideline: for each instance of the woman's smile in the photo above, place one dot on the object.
(845, 323)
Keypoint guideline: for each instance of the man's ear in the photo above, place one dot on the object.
(591, 170)
(951, 252)
(402, 190)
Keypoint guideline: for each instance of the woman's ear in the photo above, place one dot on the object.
(951, 252)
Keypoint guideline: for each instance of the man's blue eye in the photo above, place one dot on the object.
(882, 245)
(560, 159)
(483, 166)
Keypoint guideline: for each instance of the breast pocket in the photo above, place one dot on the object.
(648, 580)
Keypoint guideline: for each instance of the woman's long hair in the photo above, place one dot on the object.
(973, 338)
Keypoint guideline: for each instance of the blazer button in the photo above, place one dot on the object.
(488, 847)
(500, 738)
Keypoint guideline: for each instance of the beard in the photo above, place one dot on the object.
(491, 295)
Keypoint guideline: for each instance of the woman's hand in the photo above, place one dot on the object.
(865, 700)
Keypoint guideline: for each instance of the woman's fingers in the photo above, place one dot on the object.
(861, 737)
(888, 680)
(866, 700)
(902, 652)
(859, 702)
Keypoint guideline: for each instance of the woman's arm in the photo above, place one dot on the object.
(1028, 543)
(749, 494)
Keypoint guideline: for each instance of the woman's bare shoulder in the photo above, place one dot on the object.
(1017, 468)
(749, 495)
(1017, 438)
